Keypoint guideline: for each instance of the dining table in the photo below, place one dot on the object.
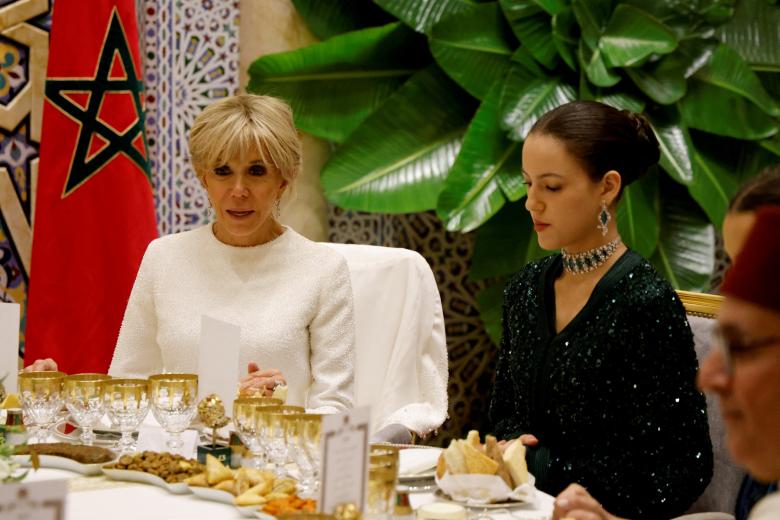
(98, 498)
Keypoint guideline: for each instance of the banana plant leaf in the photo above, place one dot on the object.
(396, 161)
(632, 35)
(420, 15)
(472, 193)
(685, 254)
(505, 243)
(490, 302)
(620, 100)
(675, 144)
(334, 85)
(326, 19)
(474, 47)
(595, 67)
(637, 215)
(534, 34)
(688, 18)
(719, 111)
(772, 144)
(753, 32)
(713, 186)
(592, 17)
(524, 102)
(532, 27)
(665, 80)
(553, 7)
(729, 71)
(565, 36)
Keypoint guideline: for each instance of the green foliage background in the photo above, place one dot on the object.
(429, 101)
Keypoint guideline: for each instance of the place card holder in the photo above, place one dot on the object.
(344, 456)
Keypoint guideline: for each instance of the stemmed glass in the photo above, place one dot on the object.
(85, 399)
(276, 439)
(127, 403)
(309, 459)
(382, 480)
(41, 394)
(174, 403)
(249, 416)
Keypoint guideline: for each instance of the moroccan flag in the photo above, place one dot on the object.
(94, 212)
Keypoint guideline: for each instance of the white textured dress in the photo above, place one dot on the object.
(291, 297)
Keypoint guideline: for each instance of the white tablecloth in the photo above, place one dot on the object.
(95, 498)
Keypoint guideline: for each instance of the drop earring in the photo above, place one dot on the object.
(604, 218)
(277, 209)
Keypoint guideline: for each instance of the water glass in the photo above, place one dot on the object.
(174, 399)
(42, 399)
(85, 400)
(127, 403)
(249, 417)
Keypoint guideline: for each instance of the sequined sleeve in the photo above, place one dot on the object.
(652, 456)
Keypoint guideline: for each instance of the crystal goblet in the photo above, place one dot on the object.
(41, 394)
(249, 417)
(127, 403)
(85, 400)
(174, 404)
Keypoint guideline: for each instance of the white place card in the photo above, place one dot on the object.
(9, 344)
(39, 500)
(218, 370)
(153, 438)
(344, 459)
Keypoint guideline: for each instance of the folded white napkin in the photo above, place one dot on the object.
(417, 460)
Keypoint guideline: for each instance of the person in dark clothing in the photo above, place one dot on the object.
(596, 371)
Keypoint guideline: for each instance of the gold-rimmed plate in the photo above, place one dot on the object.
(439, 494)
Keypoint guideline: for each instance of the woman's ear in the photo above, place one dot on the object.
(610, 186)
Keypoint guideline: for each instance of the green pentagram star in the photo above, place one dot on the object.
(82, 167)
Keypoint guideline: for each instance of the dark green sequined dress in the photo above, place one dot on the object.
(612, 397)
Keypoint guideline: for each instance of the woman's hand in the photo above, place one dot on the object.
(525, 439)
(575, 503)
(259, 382)
(42, 365)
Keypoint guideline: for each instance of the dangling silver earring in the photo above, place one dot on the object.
(277, 209)
(604, 218)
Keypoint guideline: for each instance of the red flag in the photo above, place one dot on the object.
(94, 212)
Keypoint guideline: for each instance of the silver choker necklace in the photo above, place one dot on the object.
(587, 261)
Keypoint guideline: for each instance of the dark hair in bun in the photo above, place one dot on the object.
(603, 138)
(761, 190)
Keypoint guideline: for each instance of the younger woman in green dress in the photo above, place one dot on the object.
(597, 365)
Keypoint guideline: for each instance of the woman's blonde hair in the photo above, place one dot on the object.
(237, 126)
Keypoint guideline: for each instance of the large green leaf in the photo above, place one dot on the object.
(637, 215)
(675, 143)
(565, 36)
(505, 243)
(595, 68)
(592, 16)
(713, 185)
(632, 35)
(772, 144)
(664, 80)
(396, 161)
(719, 111)
(620, 100)
(729, 71)
(685, 254)
(473, 47)
(420, 15)
(490, 302)
(689, 19)
(753, 32)
(533, 30)
(553, 7)
(326, 19)
(471, 193)
(334, 85)
(525, 102)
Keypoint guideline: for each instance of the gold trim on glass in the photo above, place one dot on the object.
(701, 304)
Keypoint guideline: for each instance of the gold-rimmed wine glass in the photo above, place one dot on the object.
(85, 400)
(248, 418)
(275, 438)
(382, 480)
(127, 403)
(41, 394)
(174, 399)
(310, 459)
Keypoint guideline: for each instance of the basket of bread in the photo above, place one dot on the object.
(475, 473)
